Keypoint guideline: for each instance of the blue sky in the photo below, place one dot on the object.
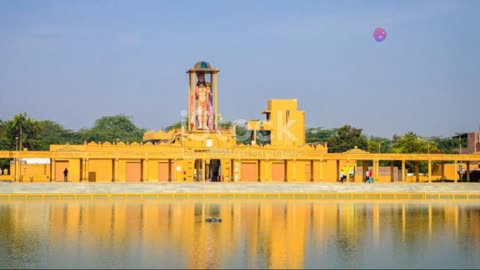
(73, 62)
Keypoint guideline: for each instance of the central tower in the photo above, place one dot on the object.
(202, 98)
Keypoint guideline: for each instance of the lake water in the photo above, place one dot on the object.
(154, 233)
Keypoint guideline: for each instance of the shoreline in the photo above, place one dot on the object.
(320, 191)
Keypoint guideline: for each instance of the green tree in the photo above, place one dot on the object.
(346, 138)
(111, 129)
(3, 138)
(53, 133)
(178, 125)
(410, 143)
(314, 135)
(4, 162)
(379, 145)
(22, 132)
(445, 145)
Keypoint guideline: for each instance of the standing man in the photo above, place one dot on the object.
(65, 175)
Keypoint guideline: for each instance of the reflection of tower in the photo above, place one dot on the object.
(202, 97)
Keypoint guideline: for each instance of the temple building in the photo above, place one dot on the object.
(202, 150)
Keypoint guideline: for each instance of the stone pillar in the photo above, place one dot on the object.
(322, 178)
(443, 170)
(312, 172)
(51, 170)
(455, 171)
(364, 169)
(86, 170)
(417, 171)
(206, 171)
(236, 171)
(468, 171)
(347, 173)
(337, 176)
(287, 170)
(53, 175)
(144, 170)
(294, 169)
(429, 171)
(392, 177)
(268, 173)
(115, 170)
(215, 99)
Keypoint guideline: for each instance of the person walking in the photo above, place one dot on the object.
(65, 175)
(342, 176)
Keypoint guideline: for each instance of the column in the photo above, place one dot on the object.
(206, 171)
(392, 177)
(417, 170)
(86, 170)
(468, 171)
(53, 172)
(347, 173)
(50, 172)
(455, 169)
(429, 171)
(215, 98)
(144, 170)
(294, 170)
(312, 172)
(404, 179)
(170, 170)
(337, 176)
(443, 170)
(191, 91)
(364, 170)
(268, 177)
(321, 170)
(115, 170)
(375, 170)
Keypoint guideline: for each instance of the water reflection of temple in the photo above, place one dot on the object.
(265, 234)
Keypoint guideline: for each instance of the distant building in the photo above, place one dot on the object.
(469, 143)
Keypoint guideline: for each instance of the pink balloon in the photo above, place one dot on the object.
(379, 34)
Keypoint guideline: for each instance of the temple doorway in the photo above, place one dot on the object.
(215, 170)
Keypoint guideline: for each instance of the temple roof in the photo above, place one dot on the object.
(203, 66)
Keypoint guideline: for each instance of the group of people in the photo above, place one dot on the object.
(368, 176)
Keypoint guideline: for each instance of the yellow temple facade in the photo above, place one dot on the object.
(201, 151)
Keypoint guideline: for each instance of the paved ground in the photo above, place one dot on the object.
(115, 188)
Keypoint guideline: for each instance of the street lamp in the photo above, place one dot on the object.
(379, 147)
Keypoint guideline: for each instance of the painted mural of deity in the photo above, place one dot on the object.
(201, 100)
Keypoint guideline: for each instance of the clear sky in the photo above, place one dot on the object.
(73, 62)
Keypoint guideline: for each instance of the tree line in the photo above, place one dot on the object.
(24, 132)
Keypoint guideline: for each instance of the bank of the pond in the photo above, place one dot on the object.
(417, 191)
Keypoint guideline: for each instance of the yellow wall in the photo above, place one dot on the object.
(102, 170)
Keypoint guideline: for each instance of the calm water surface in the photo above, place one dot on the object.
(253, 234)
